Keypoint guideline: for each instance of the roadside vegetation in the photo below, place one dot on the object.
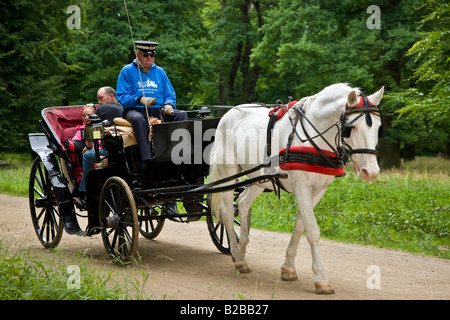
(26, 277)
(407, 209)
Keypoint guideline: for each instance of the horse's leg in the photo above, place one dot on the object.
(246, 199)
(313, 235)
(288, 272)
(227, 217)
(222, 203)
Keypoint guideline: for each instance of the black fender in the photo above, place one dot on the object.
(40, 146)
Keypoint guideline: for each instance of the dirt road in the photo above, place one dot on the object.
(184, 264)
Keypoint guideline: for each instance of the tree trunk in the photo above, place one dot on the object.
(409, 152)
(389, 155)
(222, 99)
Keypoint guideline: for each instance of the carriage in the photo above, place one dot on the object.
(320, 134)
(123, 201)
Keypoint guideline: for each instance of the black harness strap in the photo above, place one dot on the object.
(330, 161)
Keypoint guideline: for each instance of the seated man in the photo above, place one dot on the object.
(108, 109)
(142, 84)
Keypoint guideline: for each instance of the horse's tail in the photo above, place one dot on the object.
(214, 176)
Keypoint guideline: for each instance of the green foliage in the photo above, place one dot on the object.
(32, 70)
(15, 176)
(230, 52)
(104, 45)
(428, 98)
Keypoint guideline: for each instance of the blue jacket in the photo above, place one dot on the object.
(155, 83)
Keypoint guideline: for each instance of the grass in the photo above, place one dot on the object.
(14, 177)
(25, 277)
(406, 209)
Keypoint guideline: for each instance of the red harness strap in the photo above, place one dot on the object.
(282, 110)
(309, 159)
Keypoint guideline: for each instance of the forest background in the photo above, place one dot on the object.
(227, 52)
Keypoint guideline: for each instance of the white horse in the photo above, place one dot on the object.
(234, 151)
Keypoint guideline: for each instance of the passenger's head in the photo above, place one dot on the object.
(106, 95)
(87, 111)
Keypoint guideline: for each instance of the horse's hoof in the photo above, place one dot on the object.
(242, 267)
(323, 287)
(288, 274)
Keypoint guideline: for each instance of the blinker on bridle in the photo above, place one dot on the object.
(365, 108)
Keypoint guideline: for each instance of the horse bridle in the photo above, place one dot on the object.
(364, 107)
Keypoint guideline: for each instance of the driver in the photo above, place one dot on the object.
(143, 84)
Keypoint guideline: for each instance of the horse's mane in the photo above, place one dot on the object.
(334, 93)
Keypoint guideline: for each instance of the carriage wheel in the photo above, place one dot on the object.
(150, 229)
(218, 232)
(118, 220)
(44, 210)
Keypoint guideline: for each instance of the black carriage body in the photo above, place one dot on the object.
(179, 149)
(181, 152)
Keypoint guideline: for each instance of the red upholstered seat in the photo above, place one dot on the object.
(64, 121)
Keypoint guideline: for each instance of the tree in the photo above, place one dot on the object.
(310, 45)
(234, 32)
(429, 98)
(104, 44)
(33, 35)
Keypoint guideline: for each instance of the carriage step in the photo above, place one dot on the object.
(71, 225)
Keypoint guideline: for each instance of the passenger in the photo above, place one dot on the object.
(77, 145)
(108, 109)
(143, 84)
(86, 112)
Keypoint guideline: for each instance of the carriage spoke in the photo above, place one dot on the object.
(40, 214)
(111, 209)
(127, 235)
(39, 192)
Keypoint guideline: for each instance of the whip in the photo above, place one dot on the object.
(137, 60)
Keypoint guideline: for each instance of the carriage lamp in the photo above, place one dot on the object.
(94, 130)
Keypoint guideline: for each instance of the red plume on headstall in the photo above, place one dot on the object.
(360, 103)
(361, 106)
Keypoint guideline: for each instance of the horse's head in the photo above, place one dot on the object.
(361, 128)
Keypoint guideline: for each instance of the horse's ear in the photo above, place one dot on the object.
(352, 98)
(376, 97)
